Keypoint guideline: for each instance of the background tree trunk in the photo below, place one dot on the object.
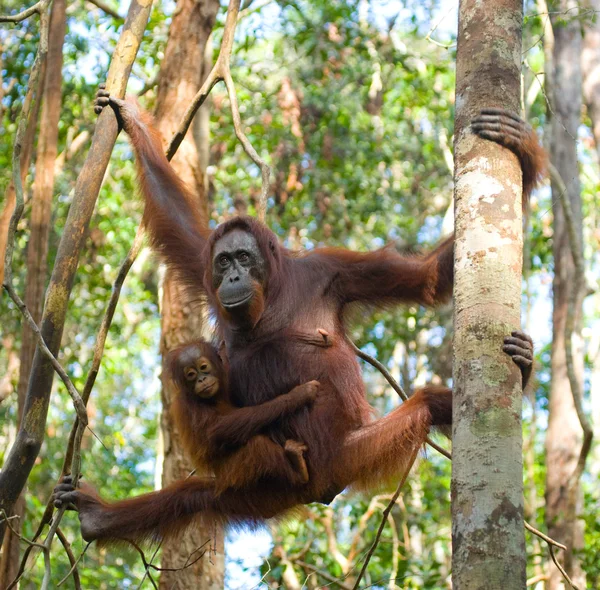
(564, 434)
(37, 249)
(9, 193)
(181, 75)
(487, 472)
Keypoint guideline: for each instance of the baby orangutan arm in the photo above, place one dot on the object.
(235, 428)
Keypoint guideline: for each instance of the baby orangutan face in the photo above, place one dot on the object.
(196, 369)
(201, 378)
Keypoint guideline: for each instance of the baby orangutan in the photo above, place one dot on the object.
(229, 440)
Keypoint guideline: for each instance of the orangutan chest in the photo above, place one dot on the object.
(261, 373)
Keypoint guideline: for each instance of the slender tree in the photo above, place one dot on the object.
(487, 477)
(564, 434)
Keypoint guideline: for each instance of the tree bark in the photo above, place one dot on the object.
(487, 470)
(37, 250)
(564, 434)
(23, 453)
(181, 75)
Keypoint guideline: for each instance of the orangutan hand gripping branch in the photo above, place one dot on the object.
(260, 294)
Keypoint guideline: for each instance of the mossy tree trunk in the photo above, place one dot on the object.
(487, 468)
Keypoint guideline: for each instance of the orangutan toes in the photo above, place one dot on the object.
(294, 451)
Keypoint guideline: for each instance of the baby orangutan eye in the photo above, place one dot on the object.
(190, 373)
(205, 367)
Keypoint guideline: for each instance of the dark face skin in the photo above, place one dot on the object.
(239, 276)
(199, 374)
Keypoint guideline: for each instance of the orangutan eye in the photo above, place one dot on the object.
(205, 367)
(190, 373)
(243, 257)
(223, 261)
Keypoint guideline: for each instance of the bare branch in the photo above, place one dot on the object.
(384, 518)
(188, 563)
(106, 8)
(74, 565)
(544, 537)
(397, 388)
(325, 575)
(67, 547)
(77, 401)
(39, 7)
(221, 72)
(7, 520)
(250, 8)
(561, 569)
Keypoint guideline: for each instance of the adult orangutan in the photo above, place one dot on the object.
(261, 294)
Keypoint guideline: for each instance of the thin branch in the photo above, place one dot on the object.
(265, 170)
(7, 520)
(149, 565)
(251, 8)
(541, 535)
(74, 565)
(397, 388)
(561, 569)
(67, 547)
(384, 518)
(436, 25)
(221, 72)
(106, 8)
(72, 460)
(103, 333)
(77, 401)
(325, 575)
(39, 8)
(381, 368)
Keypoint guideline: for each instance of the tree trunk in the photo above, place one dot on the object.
(181, 75)
(564, 434)
(487, 470)
(37, 251)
